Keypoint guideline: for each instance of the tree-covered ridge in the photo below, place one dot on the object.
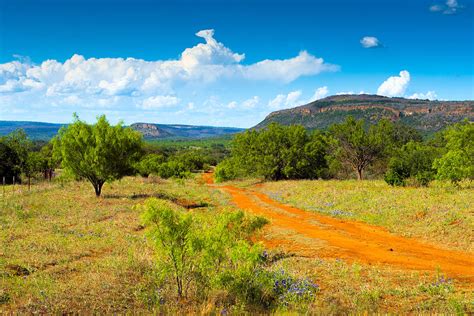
(354, 147)
(425, 115)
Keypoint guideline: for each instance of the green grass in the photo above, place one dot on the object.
(63, 250)
(439, 214)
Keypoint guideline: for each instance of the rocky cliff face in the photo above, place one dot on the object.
(425, 115)
(150, 130)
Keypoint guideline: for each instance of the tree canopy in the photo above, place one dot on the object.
(458, 161)
(276, 153)
(98, 152)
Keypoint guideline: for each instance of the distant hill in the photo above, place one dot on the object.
(152, 131)
(424, 115)
(35, 130)
(45, 131)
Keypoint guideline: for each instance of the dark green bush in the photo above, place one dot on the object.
(276, 153)
(150, 164)
(414, 160)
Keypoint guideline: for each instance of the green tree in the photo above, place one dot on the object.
(9, 162)
(98, 152)
(150, 164)
(458, 161)
(413, 160)
(19, 142)
(33, 165)
(277, 152)
(359, 146)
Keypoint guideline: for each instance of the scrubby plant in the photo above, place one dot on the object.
(202, 253)
(227, 170)
(414, 160)
(150, 164)
(458, 162)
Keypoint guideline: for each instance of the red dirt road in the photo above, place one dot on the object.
(323, 236)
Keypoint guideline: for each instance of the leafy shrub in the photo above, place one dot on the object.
(173, 169)
(198, 254)
(226, 170)
(172, 235)
(198, 248)
(413, 160)
(458, 162)
(150, 164)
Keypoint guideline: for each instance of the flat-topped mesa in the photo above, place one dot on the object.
(425, 115)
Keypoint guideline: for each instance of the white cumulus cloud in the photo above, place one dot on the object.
(89, 82)
(395, 86)
(288, 70)
(246, 104)
(159, 101)
(370, 42)
(430, 95)
(285, 100)
(320, 93)
(449, 7)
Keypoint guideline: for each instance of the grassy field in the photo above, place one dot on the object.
(63, 250)
(439, 214)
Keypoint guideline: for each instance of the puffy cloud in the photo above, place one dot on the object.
(232, 105)
(370, 42)
(319, 93)
(211, 53)
(285, 101)
(159, 101)
(150, 84)
(251, 103)
(288, 70)
(449, 7)
(350, 92)
(395, 86)
(430, 95)
(247, 104)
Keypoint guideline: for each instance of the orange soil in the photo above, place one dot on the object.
(351, 240)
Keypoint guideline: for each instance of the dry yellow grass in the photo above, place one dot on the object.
(63, 250)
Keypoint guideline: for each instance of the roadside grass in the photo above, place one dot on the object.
(65, 251)
(350, 288)
(438, 214)
(62, 249)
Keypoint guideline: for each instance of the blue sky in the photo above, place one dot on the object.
(225, 62)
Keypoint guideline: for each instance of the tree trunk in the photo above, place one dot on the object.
(98, 188)
(359, 174)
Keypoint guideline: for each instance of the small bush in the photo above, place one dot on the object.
(226, 170)
(150, 164)
(200, 254)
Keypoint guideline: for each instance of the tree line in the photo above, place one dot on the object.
(393, 151)
(100, 153)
